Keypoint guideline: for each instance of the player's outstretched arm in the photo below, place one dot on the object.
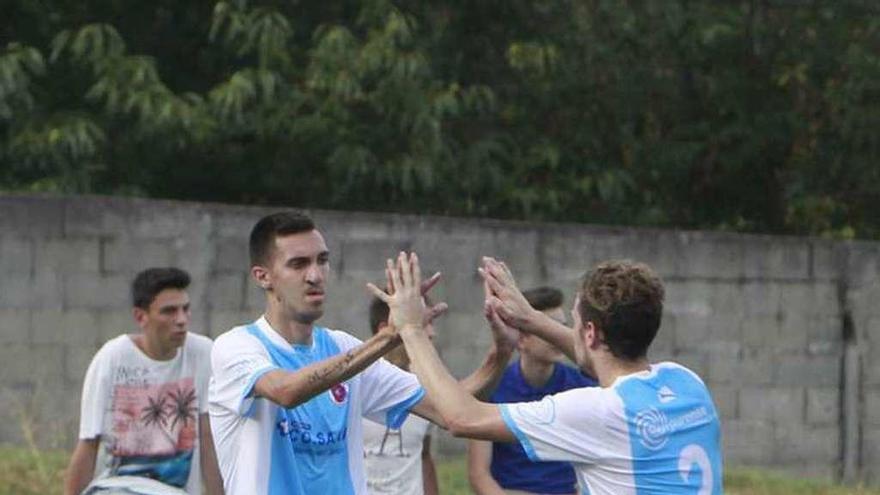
(82, 466)
(429, 469)
(292, 388)
(211, 479)
(461, 413)
(513, 308)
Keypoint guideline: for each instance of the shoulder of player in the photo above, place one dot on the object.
(116, 345)
(670, 365)
(659, 373)
(343, 339)
(198, 340)
(576, 402)
(578, 393)
(234, 340)
(198, 344)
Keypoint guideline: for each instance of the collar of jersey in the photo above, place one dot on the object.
(278, 341)
(640, 375)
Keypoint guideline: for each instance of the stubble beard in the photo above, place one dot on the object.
(307, 317)
(307, 313)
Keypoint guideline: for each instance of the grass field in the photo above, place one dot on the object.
(28, 472)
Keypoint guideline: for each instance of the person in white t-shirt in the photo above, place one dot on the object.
(398, 461)
(287, 397)
(143, 422)
(647, 429)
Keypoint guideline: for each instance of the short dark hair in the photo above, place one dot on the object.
(544, 298)
(624, 299)
(150, 282)
(378, 314)
(263, 235)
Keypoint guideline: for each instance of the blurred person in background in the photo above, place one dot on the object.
(398, 460)
(144, 415)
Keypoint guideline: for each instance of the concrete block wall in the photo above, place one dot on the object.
(766, 321)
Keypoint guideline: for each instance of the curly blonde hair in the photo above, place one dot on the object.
(624, 299)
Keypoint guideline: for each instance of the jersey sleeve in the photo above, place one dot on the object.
(238, 360)
(567, 427)
(96, 393)
(387, 392)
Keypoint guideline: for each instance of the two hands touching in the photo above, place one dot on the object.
(505, 308)
(449, 402)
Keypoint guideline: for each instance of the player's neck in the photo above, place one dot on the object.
(398, 357)
(152, 348)
(535, 372)
(291, 330)
(610, 368)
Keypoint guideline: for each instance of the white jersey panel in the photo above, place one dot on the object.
(242, 426)
(561, 427)
(655, 432)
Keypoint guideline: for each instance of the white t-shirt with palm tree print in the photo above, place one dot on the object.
(146, 412)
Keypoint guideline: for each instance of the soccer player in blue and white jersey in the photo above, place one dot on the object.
(286, 396)
(647, 429)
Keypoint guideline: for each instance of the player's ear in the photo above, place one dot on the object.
(592, 335)
(261, 275)
(139, 315)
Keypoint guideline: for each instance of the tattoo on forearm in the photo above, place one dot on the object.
(332, 370)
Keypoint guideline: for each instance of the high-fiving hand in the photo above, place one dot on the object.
(405, 293)
(503, 296)
(504, 336)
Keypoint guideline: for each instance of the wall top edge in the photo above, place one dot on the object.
(433, 220)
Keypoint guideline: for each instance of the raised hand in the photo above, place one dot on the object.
(405, 291)
(427, 285)
(503, 335)
(504, 297)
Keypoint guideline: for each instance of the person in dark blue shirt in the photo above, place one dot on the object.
(504, 468)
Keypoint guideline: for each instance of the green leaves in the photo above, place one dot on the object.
(262, 31)
(731, 115)
(19, 64)
(91, 43)
(62, 150)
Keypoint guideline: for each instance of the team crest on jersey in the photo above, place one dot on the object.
(654, 427)
(338, 393)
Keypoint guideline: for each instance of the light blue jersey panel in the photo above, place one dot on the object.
(309, 448)
(674, 433)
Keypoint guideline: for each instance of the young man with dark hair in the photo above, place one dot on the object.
(143, 423)
(398, 461)
(648, 428)
(287, 396)
(504, 468)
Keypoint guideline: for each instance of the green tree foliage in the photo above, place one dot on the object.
(753, 115)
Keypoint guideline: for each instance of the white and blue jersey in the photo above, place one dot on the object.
(315, 447)
(654, 432)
